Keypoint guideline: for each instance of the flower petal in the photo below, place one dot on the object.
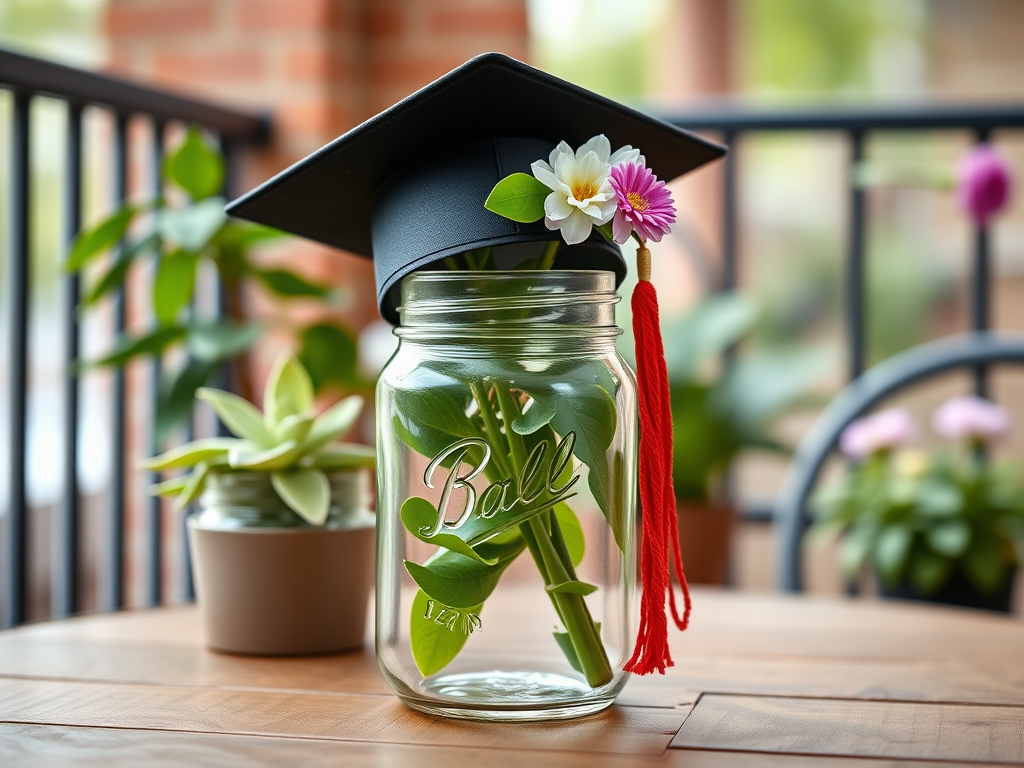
(621, 229)
(546, 176)
(626, 154)
(576, 228)
(556, 206)
(599, 145)
(561, 149)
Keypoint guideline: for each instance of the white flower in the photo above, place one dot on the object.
(581, 194)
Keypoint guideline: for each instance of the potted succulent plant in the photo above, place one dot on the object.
(283, 544)
(715, 418)
(943, 528)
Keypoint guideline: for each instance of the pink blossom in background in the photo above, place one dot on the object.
(644, 203)
(880, 431)
(971, 418)
(984, 183)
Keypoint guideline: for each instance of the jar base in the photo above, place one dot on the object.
(509, 696)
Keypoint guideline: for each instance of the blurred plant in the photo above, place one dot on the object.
(923, 519)
(288, 440)
(180, 238)
(714, 419)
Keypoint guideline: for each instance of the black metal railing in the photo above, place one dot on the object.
(28, 78)
(856, 125)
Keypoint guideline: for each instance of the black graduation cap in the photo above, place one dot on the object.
(407, 187)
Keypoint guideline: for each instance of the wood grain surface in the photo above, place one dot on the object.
(776, 680)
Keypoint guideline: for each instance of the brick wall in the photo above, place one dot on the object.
(319, 67)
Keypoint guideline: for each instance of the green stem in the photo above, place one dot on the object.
(498, 451)
(548, 259)
(556, 567)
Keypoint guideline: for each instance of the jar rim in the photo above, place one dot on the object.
(560, 298)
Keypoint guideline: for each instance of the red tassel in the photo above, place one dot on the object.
(657, 495)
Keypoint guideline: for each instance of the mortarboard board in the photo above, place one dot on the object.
(407, 186)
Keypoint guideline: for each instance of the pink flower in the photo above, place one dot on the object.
(984, 184)
(644, 204)
(971, 418)
(879, 432)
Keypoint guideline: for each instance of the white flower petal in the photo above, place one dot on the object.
(552, 225)
(546, 176)
(561, 149)
(565, 169)
(576, 228)
(626, 154)
(606, 209)
(556, 206)
(599, 145)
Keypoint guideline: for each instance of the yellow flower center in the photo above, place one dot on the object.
(637, 202)
(584, 191)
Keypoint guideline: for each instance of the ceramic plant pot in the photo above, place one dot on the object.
(705, 536)
(270, 584)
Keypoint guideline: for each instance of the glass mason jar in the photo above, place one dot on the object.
(506, 477)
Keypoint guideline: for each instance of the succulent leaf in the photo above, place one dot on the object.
(241, 417)
(345, 456)
(334, 422)
(249, 456)
(289, 391)
(306, 491)
(191, 454)
(170, 487)
(295, 428)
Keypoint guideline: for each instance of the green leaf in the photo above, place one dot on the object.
(295, 428)
(153, 343)
(419, 515)
(214, 342)
(519, 197)
(949, 539)
(173, 285)
(856, 545)
(190, 454)
(710, 328)
(288, 284)
(239, 415)
(171, 487)
(565, 643)
(191, 228)
(891, 550)
(334, 422)
(329, 354)
(572, 588)
(572, 533)
(982, 563)
(934, 499)
(195, 166)
(194, 487)
(538, 415)
(114, 277)
(246, 456)
(928, 571)
(92, 242)
(177, 395)
(430, 412)
(344, 456)
(438, 632)
(306, 491)
(457, 581)
(289, 390)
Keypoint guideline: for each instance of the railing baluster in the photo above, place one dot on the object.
(64, 593)
(115, 533)
(154, 530)
(981, 285)
(856, 298)
(729, 258)
(15, 554)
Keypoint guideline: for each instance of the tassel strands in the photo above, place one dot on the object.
(660, 545)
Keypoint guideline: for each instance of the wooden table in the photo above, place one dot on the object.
(760, 681)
